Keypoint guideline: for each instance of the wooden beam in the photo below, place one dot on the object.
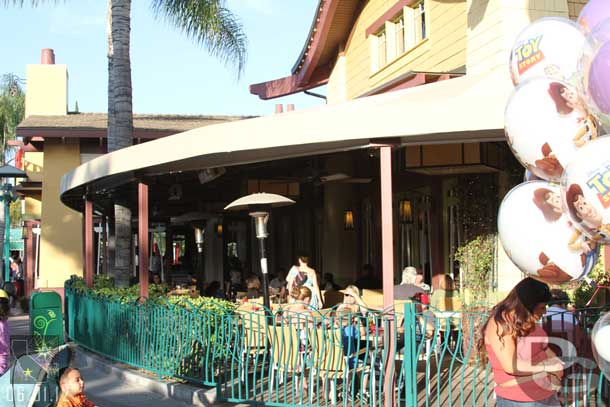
(143, 238)
(387, 261)
(88, 243)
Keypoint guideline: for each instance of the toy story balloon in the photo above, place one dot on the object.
(539, 238)
(592, 14)
(585, 190)
(549, 47)
(546, 122)
(594, 68)
(600, 339)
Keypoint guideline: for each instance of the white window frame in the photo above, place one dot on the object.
(385, 41)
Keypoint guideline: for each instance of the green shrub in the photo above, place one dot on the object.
(476, 258)
(583, 292)
(156, 293)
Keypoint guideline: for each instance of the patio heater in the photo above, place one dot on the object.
(259, 205)
(8, 196)
(199, 240)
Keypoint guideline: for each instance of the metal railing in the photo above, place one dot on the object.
(316, 358)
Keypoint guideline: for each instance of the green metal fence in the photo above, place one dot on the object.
(318, 358)
(161, 337)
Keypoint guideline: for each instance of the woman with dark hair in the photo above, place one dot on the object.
(5, 341)
(525, 369)
(303, 275)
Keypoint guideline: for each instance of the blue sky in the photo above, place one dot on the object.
(170, 73)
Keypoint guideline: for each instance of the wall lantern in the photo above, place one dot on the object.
(348, 220)
(405, 212)
(218, 229)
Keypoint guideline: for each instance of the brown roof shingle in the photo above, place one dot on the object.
(98, 121)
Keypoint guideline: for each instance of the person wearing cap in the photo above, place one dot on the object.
(352, 301)
(5, 341)
(526, 371)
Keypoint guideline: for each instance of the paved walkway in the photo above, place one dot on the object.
(110, 386)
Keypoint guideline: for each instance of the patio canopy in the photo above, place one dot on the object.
(470, 108)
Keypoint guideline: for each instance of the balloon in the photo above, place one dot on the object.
(548, 47)
(585, 190)
(599, 79)
(529, 176)
(592, 14)
(538, 237)
(546, 122)
(600, 338)
(594, 69)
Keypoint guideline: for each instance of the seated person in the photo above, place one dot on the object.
(277, 286)
(408, 287)
(253, 287)
(446, 297)
(156, 279)
(213, 290)
(352, 301)
(328, 282)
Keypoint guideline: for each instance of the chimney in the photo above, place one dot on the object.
(279, 108)
(48, 57)
(290, 107)
(47, 90)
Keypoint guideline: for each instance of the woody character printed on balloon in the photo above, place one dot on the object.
(586, 214)
(551, 272)
(568, 102)
(549, 164)
(549, 203)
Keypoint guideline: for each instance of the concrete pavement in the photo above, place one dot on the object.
(114, 384)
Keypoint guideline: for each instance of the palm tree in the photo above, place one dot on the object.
(207, 22)
(12, 109)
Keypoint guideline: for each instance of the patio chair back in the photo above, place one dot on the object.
(285, 347)
(328, 357)
(255, 328)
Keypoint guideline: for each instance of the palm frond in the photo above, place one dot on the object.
(210, 23)
(33, 3)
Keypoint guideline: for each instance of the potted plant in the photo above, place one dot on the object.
(476, 258)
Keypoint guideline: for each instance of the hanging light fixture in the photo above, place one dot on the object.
(348, 220)
(218, 229)
(405, 211)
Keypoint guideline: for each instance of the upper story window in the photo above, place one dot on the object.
(382, 48)
(399, 34)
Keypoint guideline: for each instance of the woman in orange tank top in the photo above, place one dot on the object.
(526, 371)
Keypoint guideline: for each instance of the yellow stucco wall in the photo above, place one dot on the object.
(61, 238)
(47, 91)
(444, 50)
(33, 164)
(33, 208)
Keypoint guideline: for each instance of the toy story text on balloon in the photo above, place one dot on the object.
(548, 47)
(585, 189)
